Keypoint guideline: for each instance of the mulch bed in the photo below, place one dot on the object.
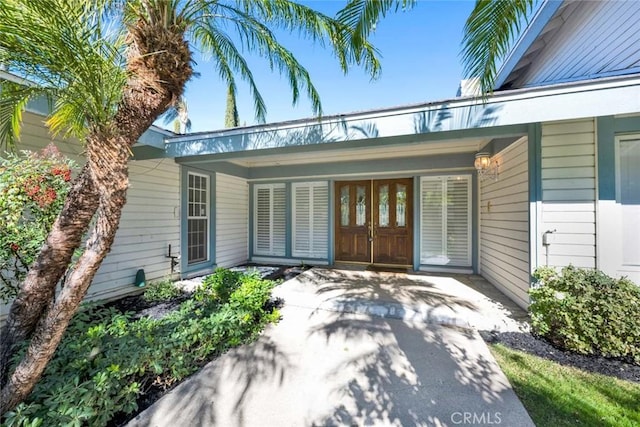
(528, 343)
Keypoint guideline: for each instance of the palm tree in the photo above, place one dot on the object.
(178, 114)
(110, 68)
(231, 117)
(488, 34)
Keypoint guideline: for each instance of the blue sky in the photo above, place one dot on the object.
(420, 55)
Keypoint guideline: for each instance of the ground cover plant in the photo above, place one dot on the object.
(109, 360)
(556, 395)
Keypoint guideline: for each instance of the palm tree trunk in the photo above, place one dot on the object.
(111, 184)
(160, 64)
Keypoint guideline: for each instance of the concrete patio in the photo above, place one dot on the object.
(359, 348)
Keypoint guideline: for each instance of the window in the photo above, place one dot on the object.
(269, 219)
(311, 219)
(445, 209)
(197, 218)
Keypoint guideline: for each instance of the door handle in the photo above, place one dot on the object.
(370, 229)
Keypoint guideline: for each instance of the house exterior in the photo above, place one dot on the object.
(400, 186)
(151, 217)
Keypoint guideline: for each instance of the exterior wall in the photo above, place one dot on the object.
(150, 220)
(504, 224)
(150, 223)
(568, 194)
(232, 220)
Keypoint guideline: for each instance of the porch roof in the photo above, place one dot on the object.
(460, 125)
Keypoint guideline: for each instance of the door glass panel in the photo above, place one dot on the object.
(361, 205)
(383, 206)
(401, 205)
(344, 206)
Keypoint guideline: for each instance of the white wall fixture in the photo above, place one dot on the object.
(486, 167)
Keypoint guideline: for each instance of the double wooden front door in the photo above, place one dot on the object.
(374, 221)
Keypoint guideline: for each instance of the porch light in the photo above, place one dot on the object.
(486, 167)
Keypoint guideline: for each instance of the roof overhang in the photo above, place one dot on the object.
(439, 125)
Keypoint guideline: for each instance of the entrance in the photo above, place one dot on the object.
(374, 221)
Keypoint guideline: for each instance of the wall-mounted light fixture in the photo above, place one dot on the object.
(486, 167)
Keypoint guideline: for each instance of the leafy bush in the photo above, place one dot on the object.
(33, 187)
(163, 290)
(219, 285)
(587, 311)
(108, 359)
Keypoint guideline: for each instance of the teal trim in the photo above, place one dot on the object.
(332, 236)
(144, 152)
(212, 220)
(183, 219)
(252, 230)
(288, 214)
(475, 222)
(185, 267)
(236, 147)
(606, 127)
(39, 105)
(532, 31)
(224, 167)
(365, 167)
(627, 124)
(534, 141)
(416, 223)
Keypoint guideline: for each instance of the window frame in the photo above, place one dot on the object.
(207, 203)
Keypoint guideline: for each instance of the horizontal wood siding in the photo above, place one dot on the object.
(232, 220)
(150, 220)
(596, 38)
(568, 193)
(504, 224)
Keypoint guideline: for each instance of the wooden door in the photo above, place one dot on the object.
(353, 221)
(393, 221)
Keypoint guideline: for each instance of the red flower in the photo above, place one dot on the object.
(14, 247)
(62, 171)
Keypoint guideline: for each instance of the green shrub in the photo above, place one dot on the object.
(107, 359)
(219, 285)
(163, 290)
(587, 311)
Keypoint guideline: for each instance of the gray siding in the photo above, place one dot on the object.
(232, 220)
(587, 39)
(150, 220)
(504, 224)
(568, 194)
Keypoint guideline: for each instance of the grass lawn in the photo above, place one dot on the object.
(557, 395)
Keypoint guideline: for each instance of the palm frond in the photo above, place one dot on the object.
(13, 101)
(362, 16)
(488, 34)
(72, 52)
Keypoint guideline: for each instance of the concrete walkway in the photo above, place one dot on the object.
(359, 348)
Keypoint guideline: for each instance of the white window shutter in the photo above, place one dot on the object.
(310, 219)
(270, 219)
(458, 222)
(445, 206)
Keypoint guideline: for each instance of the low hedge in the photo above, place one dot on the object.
(587, 312)
(108, 359)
